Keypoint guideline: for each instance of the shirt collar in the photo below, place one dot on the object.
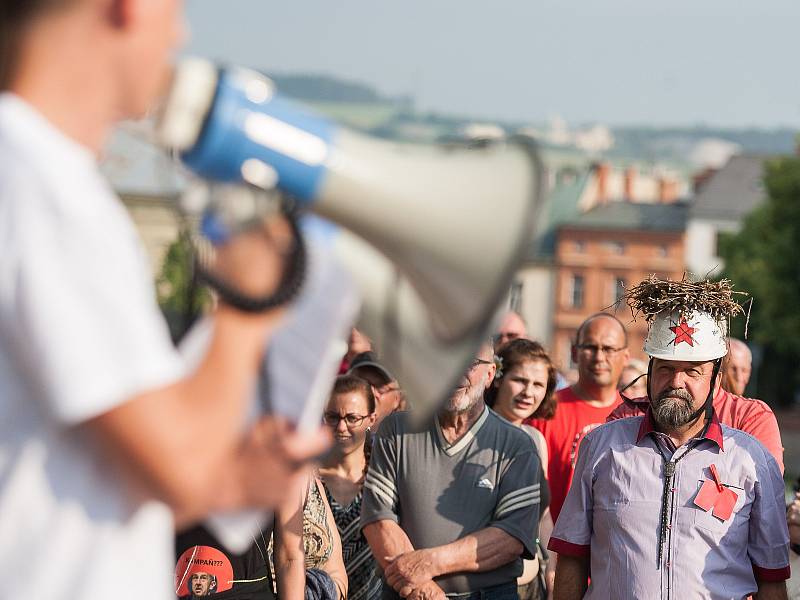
(713, 432)
(464, 440)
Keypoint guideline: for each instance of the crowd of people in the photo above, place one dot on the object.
(628, 480)
(463, 504)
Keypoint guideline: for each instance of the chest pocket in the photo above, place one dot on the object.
(706, 520)
(627, 480)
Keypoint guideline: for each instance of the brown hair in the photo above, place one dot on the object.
(521, 351)
(15, 17)
(347, 384)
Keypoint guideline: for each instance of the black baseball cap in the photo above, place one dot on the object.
(368, 360)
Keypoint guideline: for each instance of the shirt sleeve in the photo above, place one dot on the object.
(381, 499)
(78, 305)
(573, 530)
(768, 545)
(763, 426)
(519, 498)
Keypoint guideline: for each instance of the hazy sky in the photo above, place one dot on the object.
(718, 62)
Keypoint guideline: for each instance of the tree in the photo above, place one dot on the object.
(762, 259)
(180, 295)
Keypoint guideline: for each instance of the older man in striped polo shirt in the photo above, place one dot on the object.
(452, 506)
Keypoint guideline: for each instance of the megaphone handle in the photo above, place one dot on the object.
(290, 285)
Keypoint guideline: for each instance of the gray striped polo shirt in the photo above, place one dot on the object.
(439, 492)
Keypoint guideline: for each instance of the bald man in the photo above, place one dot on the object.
(600, 352)
(738, 367)
(511, 327)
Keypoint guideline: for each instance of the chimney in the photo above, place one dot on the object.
(602, 171)
(630, 178)
(699, 180)
(667, 190)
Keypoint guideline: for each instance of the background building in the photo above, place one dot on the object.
(720, 205)
(603, 251)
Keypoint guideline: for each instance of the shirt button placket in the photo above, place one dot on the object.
(669, 571)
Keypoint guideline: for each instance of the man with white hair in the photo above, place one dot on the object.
(451, 506)
(512, 327)
(674, 504)
(738, 367)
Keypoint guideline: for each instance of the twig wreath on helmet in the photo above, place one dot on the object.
(687, 321)
(655, 296)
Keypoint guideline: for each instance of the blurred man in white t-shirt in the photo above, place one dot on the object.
(99, 422)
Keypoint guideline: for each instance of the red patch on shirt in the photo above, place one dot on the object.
(723, 507)
(714, 495)
(707, 496)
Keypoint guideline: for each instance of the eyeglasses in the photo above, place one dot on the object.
(350, 419)
(594, 349)
(477, 362)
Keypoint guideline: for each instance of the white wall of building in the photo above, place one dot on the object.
(701, 245)
(536, 304)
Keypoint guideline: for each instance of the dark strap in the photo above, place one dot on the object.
(291, 282)
(669, 474)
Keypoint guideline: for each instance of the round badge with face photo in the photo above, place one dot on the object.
(202, 571)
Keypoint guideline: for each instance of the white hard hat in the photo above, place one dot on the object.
(689, 335)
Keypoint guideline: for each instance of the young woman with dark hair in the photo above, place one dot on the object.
(524, 387)
(351, 414)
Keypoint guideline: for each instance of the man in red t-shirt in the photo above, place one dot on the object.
(746, 414)
(600, 352)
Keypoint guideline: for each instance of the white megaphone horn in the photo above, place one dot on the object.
(455, 221)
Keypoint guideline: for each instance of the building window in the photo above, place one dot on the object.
(576, 291)
(580, 246)
(515, 297)
(616, 247)
(662, 251)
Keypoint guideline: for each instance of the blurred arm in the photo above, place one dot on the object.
(184, 441)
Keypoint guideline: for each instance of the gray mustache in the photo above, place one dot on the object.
(677, 393)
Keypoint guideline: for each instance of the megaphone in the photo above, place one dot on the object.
(396, 318)
(436, 232)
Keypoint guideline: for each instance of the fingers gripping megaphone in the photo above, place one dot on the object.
(436, 232)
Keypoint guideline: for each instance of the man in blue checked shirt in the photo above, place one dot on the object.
(674, 504)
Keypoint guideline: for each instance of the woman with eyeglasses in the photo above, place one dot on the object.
(350, 413)
(524, 387)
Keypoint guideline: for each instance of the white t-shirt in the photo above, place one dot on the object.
(80, 334)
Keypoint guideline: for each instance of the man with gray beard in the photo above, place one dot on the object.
(672, 408)
(451, 507)
(674, 504)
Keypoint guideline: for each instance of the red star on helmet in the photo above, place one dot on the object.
(683, 333)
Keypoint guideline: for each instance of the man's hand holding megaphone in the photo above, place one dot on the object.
(255, 260)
